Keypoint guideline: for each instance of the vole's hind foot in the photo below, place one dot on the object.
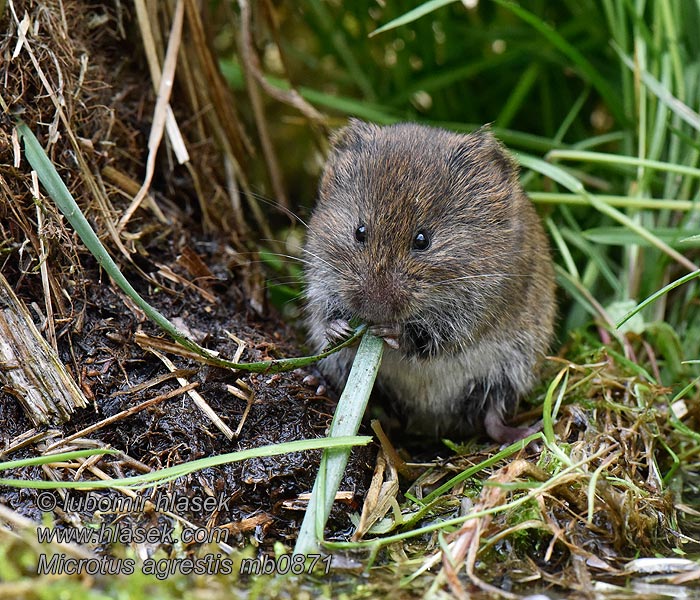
(498, 431)
(313, 380)
(338, 330)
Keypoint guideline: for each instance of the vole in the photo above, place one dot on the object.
(427, 236)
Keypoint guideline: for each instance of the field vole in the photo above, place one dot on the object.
(427, 236)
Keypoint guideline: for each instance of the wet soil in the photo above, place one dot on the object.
(260, 495)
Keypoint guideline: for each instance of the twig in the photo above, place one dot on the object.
(43, 262)
(249, 399)
(198, 400)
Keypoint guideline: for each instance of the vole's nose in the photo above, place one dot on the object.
(381, 300)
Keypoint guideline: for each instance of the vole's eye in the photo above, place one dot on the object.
(421, 241)
(361, 234)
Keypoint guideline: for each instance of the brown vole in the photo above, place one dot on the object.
(427, 236)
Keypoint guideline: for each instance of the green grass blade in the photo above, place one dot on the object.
(181, 470)
(616, 160)
(662, 92)
(519, 95)
(346, 421)
(581, 63)
(514, 448)
(569, 181)
(54, 458)
(412, 15)
(656, 295)
(58, 191)
(549, 408)
(563, 248)
(617, 201)
(621, 236)
(596, 258)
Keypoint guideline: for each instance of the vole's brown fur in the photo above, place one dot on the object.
(467, 318)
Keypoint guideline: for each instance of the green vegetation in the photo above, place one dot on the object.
(603, 91)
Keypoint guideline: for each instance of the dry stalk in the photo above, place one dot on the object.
(58, 100)
(197, 398)
(248, 58)
(161, 114)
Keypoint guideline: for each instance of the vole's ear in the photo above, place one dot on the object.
(354, 134)
(481, 148)
(346, 146)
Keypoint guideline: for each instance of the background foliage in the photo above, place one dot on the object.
(607, 78)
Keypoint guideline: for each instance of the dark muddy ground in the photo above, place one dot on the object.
(99, 346)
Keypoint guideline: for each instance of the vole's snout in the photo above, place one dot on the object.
(380, 300)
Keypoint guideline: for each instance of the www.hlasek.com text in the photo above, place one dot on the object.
(125, 534)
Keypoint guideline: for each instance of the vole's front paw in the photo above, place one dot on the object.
(389, 333)
(338, 330)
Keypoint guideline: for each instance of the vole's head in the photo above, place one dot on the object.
(414, 226)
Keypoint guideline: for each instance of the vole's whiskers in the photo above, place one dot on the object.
(289, 280)
(278, 206)
(330, 265)
(480, 276)
(291, 257)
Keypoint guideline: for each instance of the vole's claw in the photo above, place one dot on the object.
(311, 380)
(338, 330)
(389, 333)
(392, 342)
